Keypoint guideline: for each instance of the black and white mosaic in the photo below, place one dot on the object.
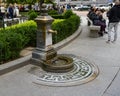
(83, 72)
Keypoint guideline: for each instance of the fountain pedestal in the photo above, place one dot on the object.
(44, 50)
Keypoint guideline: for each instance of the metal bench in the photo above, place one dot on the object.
(93, 29)
(10, 22)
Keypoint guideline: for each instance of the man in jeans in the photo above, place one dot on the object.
(114, 18)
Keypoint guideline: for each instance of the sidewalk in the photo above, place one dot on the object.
(105, 56)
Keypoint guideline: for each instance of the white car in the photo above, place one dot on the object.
(77, 8)
(84, 7)
(104, 6)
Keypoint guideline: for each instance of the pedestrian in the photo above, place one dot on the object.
(114, 18)
(10, 11)
(2, 8)
(98, 20)
(1, 15)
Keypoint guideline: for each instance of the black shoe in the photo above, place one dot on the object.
(100, 34)
(105, 32)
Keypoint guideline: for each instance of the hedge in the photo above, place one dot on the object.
(65, 27)
(13, 39)
(64, 15)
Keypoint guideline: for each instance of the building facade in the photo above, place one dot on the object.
(85, 2)
(75, 2)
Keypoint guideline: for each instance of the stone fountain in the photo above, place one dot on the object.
(45, 55)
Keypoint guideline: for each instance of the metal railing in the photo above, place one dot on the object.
(9, 22)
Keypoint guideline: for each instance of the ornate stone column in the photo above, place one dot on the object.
(44, 50)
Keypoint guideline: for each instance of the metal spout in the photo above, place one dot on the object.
(52, 31)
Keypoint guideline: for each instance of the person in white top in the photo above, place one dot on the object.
(2, 8)
(16, 11)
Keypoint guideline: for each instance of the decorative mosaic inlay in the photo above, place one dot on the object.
(83, 72)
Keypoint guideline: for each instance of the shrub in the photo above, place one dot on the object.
(10, 45)
(60, 16)
(15, 38)
(57, 21)
(67, 14)
(52, 12)
(32, 15)
(65, 27)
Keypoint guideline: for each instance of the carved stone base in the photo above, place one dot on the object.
(44, 55)
(58, 64)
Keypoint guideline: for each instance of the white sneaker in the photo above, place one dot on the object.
(108, 41)
(113, 41)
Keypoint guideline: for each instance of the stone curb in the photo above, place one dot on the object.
(10, 66)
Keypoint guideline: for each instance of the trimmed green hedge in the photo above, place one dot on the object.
(60, 16)
(64, 15)
(13, 39)
(65, 27)
(32, 15)
(67, 14)
(52, 12)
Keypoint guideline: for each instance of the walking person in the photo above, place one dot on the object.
(114, 19)
(2, 8)
(10, 11)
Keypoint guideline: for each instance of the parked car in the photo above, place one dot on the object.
(84, 7)
(104, 6)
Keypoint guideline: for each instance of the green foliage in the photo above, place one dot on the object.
(59, 16)
(29, 1)
(56, 21)
(15, 38)
(31, 11)
(32, 15)
(21, 1)
(10, 45)
(67, 14)
(24, 14)
(48, 1)
(52, 12)
(12, 1)
(65, 27)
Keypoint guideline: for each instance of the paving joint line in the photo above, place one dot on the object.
(111, 82)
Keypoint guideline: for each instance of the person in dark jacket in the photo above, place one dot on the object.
(114, 18)
(91, 11)
(10, 11)
(98, 20)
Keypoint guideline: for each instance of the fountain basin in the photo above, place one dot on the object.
(60, 63)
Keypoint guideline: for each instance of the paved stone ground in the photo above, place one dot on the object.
(105, 56)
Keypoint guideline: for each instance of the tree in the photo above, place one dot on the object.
(12, 1)
(30, 2)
